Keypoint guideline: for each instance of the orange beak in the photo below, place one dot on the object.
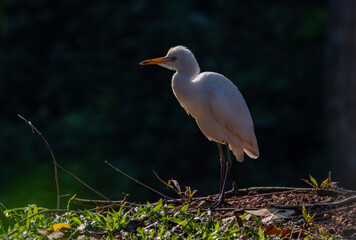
(155, 61)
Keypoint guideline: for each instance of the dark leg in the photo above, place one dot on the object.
(225, 170)
(229, 161)
(227, 173)
(222, 166)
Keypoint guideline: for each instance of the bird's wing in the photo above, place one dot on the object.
(230, 110)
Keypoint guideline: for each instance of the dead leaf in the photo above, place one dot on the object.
(176, 185)
(43, 232)
(272, 214)
(56, 235)
(82, 227)
(261, 212)
(272, 230)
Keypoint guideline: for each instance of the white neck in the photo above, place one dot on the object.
(182, 86)
(182, 81)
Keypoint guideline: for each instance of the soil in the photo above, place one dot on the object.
(332, 212)
(328, 212)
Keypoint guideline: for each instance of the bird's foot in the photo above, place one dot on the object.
(220, 202)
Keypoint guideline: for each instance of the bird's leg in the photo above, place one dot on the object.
(228, 168)
(229, 161)
(225, 170)
(222, 166)
(228, 165)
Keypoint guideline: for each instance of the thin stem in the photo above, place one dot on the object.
(137, 181)
(34, 129)
(3, 206)
(82, 182)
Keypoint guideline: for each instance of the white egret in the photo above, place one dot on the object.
(217, 106)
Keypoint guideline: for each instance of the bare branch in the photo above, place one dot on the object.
(82, 182)
(343, 202)
(103, 203)
(137, 181)
(167, 184)
(34, 129)
(3, 206)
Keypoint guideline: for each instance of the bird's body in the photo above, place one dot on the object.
(214, 102)
(219, 110)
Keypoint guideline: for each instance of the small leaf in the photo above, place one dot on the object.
(217, 226)
(194, 191)
(76, 220)
(70, 201)
(158, 206)
(184, 208)
(313, 181)
(261, 234)
(304, 212)
(325, 184)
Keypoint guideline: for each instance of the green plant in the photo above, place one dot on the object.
(147, 221)
(307, 217)
(326, 184)
(188, 193)
(174, 185)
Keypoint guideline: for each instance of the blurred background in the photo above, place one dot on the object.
(72, 69)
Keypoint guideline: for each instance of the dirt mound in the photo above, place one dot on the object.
(326, 212)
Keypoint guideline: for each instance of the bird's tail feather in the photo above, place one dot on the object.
(253, 155)
(251, 149)
(238, 152)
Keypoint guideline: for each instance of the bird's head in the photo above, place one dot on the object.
(178, 58)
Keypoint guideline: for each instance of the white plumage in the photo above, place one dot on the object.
(214, 102)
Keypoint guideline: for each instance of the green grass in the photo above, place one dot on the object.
(149, 221)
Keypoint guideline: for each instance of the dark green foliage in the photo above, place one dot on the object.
(71, 67)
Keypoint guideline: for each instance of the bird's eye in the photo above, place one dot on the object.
(173, 58)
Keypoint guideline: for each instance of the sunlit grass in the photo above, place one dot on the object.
(149, 221)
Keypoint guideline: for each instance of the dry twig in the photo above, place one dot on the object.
(3, 206)
(102, 203)
(82, 182)
(34, 129)
(137, 181)
(327, 204)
